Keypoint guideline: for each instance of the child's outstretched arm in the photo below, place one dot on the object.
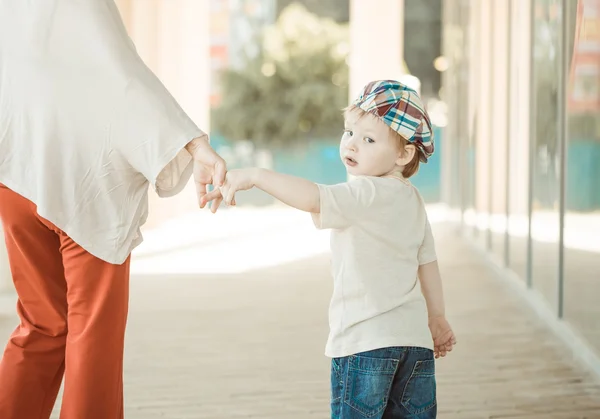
(291, 190)
(431, 286)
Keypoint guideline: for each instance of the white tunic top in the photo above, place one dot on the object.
(84, 125)
(380, 236)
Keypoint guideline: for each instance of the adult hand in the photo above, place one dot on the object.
(209, 169)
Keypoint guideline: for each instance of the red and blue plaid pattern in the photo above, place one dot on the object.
(400, 107)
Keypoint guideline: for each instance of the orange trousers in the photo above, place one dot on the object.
(73, 310)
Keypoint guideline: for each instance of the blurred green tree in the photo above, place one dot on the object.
(294, 89)
(338, 10)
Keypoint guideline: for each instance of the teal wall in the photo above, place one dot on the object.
(583, 175)
(429, 177)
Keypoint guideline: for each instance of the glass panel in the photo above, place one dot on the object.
(469, 115)
(462, 104)
(582, 221)
(455, 94)
(499, 121)
(452, 38)
(545, 218)
(483, 123)
(519, 135)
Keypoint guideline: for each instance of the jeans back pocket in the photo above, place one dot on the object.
(368, 384)
(419, 392)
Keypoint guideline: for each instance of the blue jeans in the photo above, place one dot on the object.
(388, 383)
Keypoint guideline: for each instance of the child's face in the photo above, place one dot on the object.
(367, 147)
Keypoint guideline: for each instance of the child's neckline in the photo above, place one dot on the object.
(401, 179)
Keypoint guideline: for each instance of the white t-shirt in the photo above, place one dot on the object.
(380, 235)
(85, 126)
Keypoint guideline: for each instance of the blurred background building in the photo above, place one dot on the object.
(513, 87)
(522, 147)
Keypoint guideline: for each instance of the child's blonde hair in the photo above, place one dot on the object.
(411, 167)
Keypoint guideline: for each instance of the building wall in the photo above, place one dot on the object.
(526, 155)
(370, 58)
(423, 29)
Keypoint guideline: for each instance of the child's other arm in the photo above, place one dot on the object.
(431, 286)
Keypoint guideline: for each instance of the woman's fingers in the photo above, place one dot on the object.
(210, 196)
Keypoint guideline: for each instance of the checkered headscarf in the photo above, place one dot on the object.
(400, 107)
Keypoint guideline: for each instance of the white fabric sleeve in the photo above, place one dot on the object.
(155, 134)
(344, 204)
(150, 128)
(427, 252)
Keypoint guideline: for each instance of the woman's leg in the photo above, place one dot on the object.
(32, 366)
(98, 297)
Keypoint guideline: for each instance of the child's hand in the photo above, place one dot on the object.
(235, 180)
(443, 336)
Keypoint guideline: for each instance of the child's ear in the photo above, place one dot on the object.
(406, 155)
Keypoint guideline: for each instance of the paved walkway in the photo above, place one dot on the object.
(237, 330)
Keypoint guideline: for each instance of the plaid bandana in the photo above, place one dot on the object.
(401, 109)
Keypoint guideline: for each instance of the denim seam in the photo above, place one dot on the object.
(340, 377)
